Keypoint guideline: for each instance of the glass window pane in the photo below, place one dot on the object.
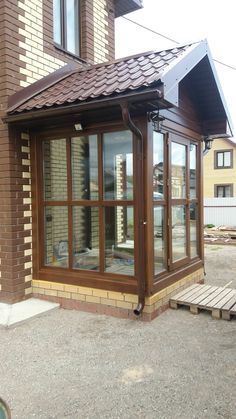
(224, 191)
(227, 191)
(55, 170)
(178, 170)
(178, 232)
(72, 26)
(227, 159)
(84, 163)
(86, 238)
(118, 165)
(220, 161)
(193, 230)
(220, 191)
(57, 21)
(119, 240)
(158, 165)
(56, 237)
(159, 240)
(193, 170)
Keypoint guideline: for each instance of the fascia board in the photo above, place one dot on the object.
(229, 120)
(179, 68)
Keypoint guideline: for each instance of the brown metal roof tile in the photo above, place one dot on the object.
(106, 79)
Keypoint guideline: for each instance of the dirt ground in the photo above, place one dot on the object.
(76, 365)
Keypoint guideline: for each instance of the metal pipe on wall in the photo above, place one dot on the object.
(140, 208)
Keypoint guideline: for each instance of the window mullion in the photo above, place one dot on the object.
(101, 207)
(69, 199)
(63, 24)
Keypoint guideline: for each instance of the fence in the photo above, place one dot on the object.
(220, 211)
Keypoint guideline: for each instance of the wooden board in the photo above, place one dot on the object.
(229, 309)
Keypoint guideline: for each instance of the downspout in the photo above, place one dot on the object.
(140, 209)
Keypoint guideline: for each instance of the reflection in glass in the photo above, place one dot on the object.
(118, 165)
(178, 232)
(158, 165)
(85, 238)
(84, 163)
(178, 170)
(55, 170)
(193, 170)
(193, 230)
(223, 158)
(56, 237)
(119, 240)
(159, 240)
(72, 26)
(57, 21)
(227, 158)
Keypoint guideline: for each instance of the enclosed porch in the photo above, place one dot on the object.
(116, 174)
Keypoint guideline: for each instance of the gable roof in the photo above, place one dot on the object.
(158, 72)
(107, 79)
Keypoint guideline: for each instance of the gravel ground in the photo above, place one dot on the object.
(220, 265)
(75, 365)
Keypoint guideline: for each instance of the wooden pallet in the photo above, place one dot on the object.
(219, 300)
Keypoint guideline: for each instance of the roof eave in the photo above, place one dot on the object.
(134, 97)
(27, 93)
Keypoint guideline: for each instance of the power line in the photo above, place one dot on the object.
(150, 30)
(172, 40)
(226, 65)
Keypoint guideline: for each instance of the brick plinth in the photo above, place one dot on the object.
(111, 303)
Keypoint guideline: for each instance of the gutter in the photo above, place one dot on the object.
(147, 94)
(140, 209)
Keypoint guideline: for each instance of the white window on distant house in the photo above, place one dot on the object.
(66, 25)
(223, 159)
(223, 191)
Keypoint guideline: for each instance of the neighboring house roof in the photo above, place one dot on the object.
(159, 72)
(228, 140)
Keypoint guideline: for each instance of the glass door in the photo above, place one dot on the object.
(175, 198)
(178, 202)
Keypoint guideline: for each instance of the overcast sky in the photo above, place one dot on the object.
(184, 21)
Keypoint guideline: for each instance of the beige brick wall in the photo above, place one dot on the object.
(26, 181)
(111, 298)
(214, 176)
(37, 62)
(40, 57)
(100, 30)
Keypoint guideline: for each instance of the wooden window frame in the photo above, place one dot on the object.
(62, 45)
(107, 280)
(224, 185)
(101, 279)
(216, 152)
(173, 270)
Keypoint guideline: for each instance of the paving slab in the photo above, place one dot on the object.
(13, 314)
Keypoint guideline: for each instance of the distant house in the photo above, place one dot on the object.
(220, 170)
(101, 189)
(220, 183)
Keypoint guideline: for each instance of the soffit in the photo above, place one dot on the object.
(122, 7)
